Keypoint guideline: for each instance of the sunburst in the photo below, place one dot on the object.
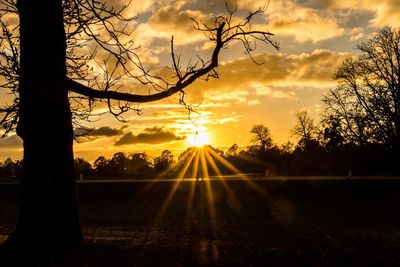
(202, 156)
(198, 139)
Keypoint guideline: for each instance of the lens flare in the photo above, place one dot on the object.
(198, 140)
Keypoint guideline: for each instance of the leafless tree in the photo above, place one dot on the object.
(366, 101)
(261, 136)
(46, 62)
(305, 129)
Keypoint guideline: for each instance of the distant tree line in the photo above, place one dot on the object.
(320, 150)
(10, 169)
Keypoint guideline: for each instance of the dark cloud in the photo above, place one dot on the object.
(155, 135)
(11, 141)
(104, 131)
(84, 135)
(154, 129)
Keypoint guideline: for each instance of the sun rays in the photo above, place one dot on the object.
(201, 168)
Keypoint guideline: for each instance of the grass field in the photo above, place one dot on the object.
(264, 223)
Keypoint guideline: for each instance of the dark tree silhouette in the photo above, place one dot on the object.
(261, 136)
(119, 164)
(43, 67)
(233, 150)
(332, 134)
(101, 166)
(83, 169)
(164, 161)
(366, 103)
(139, 165)
(305, 129)
(10, 169)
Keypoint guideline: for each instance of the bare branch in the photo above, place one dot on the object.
(222, 33)
(93, 28)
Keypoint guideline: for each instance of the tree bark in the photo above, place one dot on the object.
(48, 221)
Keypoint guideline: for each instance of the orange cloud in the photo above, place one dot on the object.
(386, 12)
(278, 69)
(303, 23)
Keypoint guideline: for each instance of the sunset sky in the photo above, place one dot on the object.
(315, 36)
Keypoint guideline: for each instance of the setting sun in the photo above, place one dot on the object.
(198, 139)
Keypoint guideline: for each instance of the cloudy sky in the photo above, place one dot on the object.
(315, 36)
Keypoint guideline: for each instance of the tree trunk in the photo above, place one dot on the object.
(48, 222)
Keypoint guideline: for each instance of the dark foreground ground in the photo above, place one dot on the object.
(275, 223)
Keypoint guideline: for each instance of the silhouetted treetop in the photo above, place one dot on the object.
(305, 129)
(366, 103)
(261, 136)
